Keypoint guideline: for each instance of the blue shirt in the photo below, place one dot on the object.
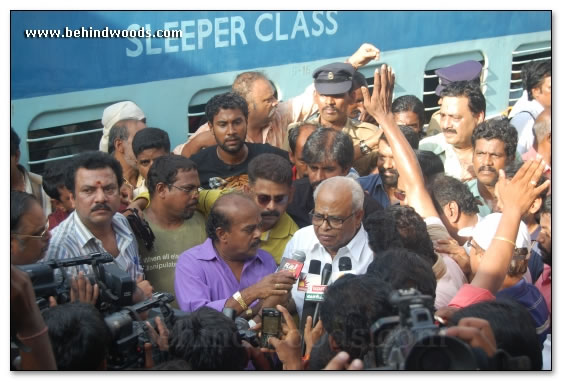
(530, 296)
(203, 278)
(373, 184)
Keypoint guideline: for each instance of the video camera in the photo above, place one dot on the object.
(116, 286)
(411, 341)
(129, 332)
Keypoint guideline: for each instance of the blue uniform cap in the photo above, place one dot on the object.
(463, 71)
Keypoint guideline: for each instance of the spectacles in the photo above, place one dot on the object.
(400, 195)
(190, 191)
(42, 235)
(266, 199)
(333, 221)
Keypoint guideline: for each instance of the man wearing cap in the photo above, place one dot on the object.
(121, 122)
(463, 108)
(514, 286)
(268, 119)
(464, 71)
(333, 95)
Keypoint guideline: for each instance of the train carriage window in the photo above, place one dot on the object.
(522, 55)
(62, 142)
(196, 107)
(429, 98)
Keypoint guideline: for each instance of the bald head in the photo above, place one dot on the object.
(343, 189)
(542, 126)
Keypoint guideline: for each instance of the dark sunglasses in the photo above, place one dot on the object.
(266, 199)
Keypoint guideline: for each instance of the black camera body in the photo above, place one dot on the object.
(412, 341)
(129, 333)
(45, 284)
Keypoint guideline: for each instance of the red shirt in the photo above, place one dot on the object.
(469, 295)
(57, 218)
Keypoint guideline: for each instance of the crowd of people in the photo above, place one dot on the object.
(455, 217)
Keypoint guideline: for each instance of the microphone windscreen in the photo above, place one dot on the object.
(345, 264)
(315, 267)
(327, 272)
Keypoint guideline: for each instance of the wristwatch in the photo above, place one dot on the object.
(365, 149)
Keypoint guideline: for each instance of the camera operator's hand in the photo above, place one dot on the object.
(288, 348)
(275, 284)
(82, 290)
(160, 335)
(476, 332)
(28, 324)
(340, 362)
(145, 287)
(445, 313)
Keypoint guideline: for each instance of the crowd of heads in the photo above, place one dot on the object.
(405, 255)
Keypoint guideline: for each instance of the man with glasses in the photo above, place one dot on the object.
(336, 231)
(173, 185)
(327, 153)
(95, 226)
(29, 229)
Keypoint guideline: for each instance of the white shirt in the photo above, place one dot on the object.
(305, 239)
(438, 145)
(523, 116)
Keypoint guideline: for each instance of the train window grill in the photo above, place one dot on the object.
(521, 56)
(196, 107)
(431, 81)
(62, 143)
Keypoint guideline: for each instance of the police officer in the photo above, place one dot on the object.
(333, 95)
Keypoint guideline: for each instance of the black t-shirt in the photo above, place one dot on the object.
(210, 167)
(303, 203)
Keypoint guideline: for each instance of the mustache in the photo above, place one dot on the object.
(329, 108)
(101, 206)
(487, 168)
(392, 171)
(449, 131)
(256, 243)
(270, 213)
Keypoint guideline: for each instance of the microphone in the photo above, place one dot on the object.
(313, 277)
(325, 277)
(293, 262)
(344, 266)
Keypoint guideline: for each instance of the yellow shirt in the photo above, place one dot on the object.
(275, 240)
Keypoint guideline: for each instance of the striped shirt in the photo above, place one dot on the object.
(71, 239)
